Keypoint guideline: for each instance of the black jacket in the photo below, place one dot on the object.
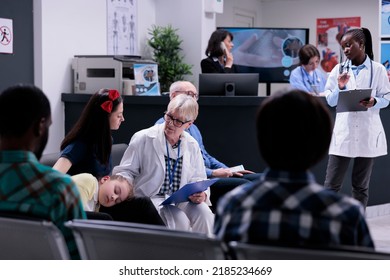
(208, 65)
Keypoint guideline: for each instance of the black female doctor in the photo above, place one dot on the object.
(357, 135)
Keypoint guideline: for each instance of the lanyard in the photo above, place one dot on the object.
(171, 174)
(311, 83)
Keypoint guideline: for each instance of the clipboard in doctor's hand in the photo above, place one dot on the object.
(182, 194)
(349, 100)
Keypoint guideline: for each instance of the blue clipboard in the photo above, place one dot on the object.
(182, 194)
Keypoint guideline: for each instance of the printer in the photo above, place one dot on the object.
(93, 72)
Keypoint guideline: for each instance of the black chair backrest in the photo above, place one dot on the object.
(98, 216)
(116, 153)
(31, 239)
(111, 240)
(243, 251)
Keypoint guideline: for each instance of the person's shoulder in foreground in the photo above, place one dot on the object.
(286, 206)
(26, 186)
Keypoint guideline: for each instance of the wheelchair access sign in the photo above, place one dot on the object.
(6, 36)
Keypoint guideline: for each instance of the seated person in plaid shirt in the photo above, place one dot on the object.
(27, 186)
(163, 158)
(286, 206)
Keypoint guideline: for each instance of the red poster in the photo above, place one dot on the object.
(329, 33)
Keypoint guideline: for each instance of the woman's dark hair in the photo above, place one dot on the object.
(306, 53)
(93, 126)
(214, 46)
(293, 130)
(362, 35)
(31, 104)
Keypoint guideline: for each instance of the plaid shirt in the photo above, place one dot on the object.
(176, 175)
(290, 209)
(28, 187)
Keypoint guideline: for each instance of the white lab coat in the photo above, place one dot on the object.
(360, 134)
(143, 163)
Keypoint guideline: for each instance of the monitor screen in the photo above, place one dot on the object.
(228, 84)
(271, 52)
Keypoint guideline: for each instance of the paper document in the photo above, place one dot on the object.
(349, 100)
(237, 168)
(182, 194)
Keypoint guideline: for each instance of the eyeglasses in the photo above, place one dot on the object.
(178, 123)
(188, 92)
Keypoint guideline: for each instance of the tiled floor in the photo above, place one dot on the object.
(378, 219)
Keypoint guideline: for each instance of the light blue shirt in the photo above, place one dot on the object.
(300, 79)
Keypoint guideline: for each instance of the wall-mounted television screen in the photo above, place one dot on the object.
(271, 52)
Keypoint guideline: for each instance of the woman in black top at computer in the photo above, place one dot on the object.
(219, 57)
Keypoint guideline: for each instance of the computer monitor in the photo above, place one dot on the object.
(228, 84)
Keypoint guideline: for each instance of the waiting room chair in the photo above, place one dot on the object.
(244, 251)
(50, 159)
(110, 240)
(31, 239)
(117, 152)
(91, 215)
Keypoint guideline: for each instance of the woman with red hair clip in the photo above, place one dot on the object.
(87, 149)
(87, 146)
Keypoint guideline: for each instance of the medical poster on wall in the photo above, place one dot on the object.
(146, 79)
(329, 33)
(385, 56)
(122, 27)
(6, 35)
(385, 18)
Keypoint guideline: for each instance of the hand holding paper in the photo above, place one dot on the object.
(237, 168)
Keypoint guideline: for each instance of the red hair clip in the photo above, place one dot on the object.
(113, 94)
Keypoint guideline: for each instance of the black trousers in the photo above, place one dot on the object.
(361, 174)
(137, 210)
(224, 185)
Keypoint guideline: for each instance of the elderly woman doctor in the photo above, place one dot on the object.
(163, 158)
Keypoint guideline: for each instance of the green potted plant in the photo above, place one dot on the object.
(166, 52)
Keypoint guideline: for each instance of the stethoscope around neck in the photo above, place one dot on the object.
(371, 72)
(306, 78)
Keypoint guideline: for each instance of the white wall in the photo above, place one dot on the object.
(67, 28)
(244, 6)
(188, 25)
(78, 27)
(146, 18)
(194, 28)
(63, 29)
(304, 13)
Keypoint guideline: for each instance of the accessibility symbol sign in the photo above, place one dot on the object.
(6, 35)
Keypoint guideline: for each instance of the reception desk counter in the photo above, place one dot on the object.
(229, 133)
